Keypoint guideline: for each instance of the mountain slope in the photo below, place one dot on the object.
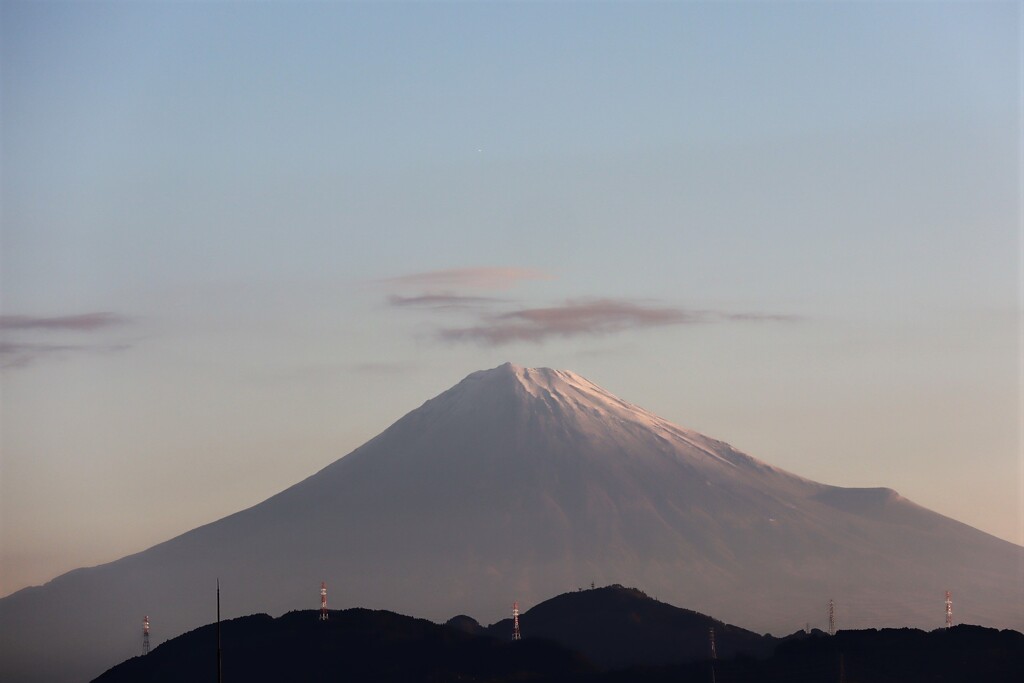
(520, 483)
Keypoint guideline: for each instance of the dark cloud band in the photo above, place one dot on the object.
(469, 278)
(85, 322)
(593, 317)
(440, 301)
(15, 351)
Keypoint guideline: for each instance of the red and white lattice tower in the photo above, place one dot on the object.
(323, 601)
(145, 635)
(949, 609)
(515, 622)
(831, 618)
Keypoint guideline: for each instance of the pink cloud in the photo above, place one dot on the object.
(84, 322)
(468, 278)
(436, 301)
(15, 351)
(590, 317)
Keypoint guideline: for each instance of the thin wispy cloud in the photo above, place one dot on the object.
(601, 316)
(441, 301)
(467, 278)
(446, 290)
(84, 322)
(591, 317)
(17, 351)
(756, 317)
(16, 355)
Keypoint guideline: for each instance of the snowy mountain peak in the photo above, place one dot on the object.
(573, 394)
(555, 409)
(547, 384)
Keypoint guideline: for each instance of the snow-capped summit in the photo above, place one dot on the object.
(518, 484)
(557, 410)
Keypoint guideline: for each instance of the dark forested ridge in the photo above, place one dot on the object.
(606, 635)
(614, 626)
(352, 645)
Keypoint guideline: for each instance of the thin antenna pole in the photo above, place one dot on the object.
(831, 617)
(323, 601)
(949, 610)
(145, 635)
(714, 652)
(220, 673)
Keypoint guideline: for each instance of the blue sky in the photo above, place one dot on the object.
(239, 239)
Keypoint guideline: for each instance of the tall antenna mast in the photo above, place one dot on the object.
(949, 609)
(220, 674)
(145, 635)
(831, 618)
(323, 601)
(714, 653)
(515, 622)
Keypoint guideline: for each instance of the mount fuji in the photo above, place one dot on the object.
(517, 484)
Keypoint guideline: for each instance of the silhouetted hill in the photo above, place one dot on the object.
(466, 624)
(616, 626)
(365, 645)
(605, 635)
(353, 645)
(963, 654)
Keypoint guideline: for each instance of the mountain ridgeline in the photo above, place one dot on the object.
(516, 484)
(600, 635)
